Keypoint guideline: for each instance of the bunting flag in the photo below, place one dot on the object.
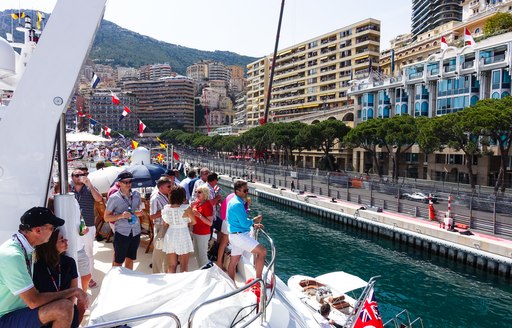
(18, 15)
(468, 38)
(159, 140)
(125, 112)
(160, 157)
(164, 146)
(107, 131)
(40, 17)
(369, 315)
(95, 80)
(176, 156)
(122, 136)
(444, 45)
(142, 127)
(115, 99)
(93, 122)
(135, 144)
(80, 114)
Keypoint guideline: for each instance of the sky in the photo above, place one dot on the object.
(247, 27)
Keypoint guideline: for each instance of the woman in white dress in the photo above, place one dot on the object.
(177, 240)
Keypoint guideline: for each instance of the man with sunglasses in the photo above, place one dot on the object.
(239, 231)
(86, 194)
(120, 208)
(21, 305)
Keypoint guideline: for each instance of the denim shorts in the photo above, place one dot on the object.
(22, 318)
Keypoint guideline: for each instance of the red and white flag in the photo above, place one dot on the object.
(468, 38)
(444, 45)
(80, 114)
(115, 99)
(142, 127)
(369, 315)
(125, 112)
(107, 131)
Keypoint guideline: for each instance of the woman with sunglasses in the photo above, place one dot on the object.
(54, 271)
(177, 239)
(203, 211)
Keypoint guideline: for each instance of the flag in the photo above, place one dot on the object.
(164, 146)
(369, 315)
(40, 17)
(262, 120)
(125, 112)
(176, 156)
(135, 144)
(80, 114)
(444, 45)
(160, 157)
(468, 38)
(89, 115)
(122, 136)
(142, 127)
(93, 122)
(107, 131)
(115, 99)
(18, 15)
(95, 80)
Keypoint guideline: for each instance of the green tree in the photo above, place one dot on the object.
(283, 135)
(367, 135)
(302, 141)
(493, 118)
(327, 134)
(499, 22)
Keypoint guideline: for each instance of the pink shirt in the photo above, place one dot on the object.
(224, 205)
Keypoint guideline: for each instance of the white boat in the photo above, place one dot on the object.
(344, 292)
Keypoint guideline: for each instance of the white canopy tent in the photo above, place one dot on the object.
(84, 136)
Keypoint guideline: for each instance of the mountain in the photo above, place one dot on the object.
(117, 46)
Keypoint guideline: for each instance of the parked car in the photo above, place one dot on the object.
(419, 196)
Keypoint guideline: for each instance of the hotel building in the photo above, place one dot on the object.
(313, 74)
(428, 14)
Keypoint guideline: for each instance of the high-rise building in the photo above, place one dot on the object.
(314, 74)
(165, 104)
(198, 71)
(155, 71)
(427, 14)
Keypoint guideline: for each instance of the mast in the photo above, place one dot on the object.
(269, 92)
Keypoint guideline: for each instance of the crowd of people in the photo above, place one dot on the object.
(40, 284)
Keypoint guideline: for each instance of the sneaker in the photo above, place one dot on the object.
(92, 284)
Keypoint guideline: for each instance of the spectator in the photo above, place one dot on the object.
(86, 194)
(203, 211)
(239, 231)
(203, 175)
(21, 304)
(120, 207)
(156, 204)
(177, 241)
(55, 271)
(185, 182)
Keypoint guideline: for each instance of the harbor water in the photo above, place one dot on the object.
(442, 292)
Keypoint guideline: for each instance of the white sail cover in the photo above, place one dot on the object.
(125, 293)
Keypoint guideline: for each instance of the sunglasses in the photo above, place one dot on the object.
(79, 175)
(126, 182)
(199, 192)
(245, 191)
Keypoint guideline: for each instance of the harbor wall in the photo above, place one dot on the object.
(488, 253)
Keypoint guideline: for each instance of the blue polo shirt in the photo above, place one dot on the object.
(237, 216)
(118, 203)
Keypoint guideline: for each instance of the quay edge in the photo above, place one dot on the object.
(484, 252)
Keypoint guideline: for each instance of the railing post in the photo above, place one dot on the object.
(328, 185)
(371, 193)
(312, 187)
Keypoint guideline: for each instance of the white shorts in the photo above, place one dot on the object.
(241, 242)
(224, 228)
(83, 263)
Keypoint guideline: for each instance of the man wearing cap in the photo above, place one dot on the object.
(120, 207)
(86, 194)
(21, 305)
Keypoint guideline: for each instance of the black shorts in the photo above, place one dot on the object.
(217, 224)
(125, 247)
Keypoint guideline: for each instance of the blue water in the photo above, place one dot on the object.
(442, 292)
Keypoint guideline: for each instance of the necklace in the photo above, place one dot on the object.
(57, 287)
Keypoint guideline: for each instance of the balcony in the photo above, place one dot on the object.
(493, 59)
(416, 75)
(449, 68)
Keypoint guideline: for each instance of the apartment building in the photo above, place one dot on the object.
(428, 14)
(444, 83)
(155, 71)
(106, 113)
(313, 74)
(165, 103)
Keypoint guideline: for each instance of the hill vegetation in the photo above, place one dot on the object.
(116, 46)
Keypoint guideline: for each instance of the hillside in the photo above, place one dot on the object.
(116, 46)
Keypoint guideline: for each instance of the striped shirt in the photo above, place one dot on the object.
(86, 202)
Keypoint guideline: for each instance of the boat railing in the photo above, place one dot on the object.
(358, 307)
(145, 317)
(264, 301)
(403, 320)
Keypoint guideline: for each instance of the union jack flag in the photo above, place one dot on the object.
(369, 316)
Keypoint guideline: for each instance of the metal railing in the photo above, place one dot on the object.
(403, 320)
(120, 322)
(264, 301)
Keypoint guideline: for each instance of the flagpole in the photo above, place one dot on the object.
(167, 154)
(172, 156)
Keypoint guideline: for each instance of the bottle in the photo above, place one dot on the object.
(132, 218)
(82, 226)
